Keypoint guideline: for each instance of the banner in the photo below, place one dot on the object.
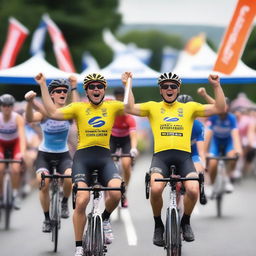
(60, 47)
(16, 36)
(38, 38)
(235, 37)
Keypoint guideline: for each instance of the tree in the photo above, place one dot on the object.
(81, 22)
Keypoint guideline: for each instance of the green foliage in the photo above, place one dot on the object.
(249, 55)
(81, 22)
(155, 41)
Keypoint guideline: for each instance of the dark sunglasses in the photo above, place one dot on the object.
(7, 105)
(60, 91)
(166, 86)
(93, 86)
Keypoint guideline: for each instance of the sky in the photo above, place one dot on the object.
(194, 12)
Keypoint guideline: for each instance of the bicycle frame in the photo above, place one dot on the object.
(54, 200)
(172, 234)
(220, 180)
(93, 240)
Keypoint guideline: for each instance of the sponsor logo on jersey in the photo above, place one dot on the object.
(171, 119)
(96, 121)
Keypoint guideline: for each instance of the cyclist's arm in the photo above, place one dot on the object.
(30, 115)
(219, 106)
(50, 107)
(236, 141)
(21, 132)
(74, 94)
(130, 107)
(208, 137)
(133, 137)
(202, 92)
(201, 150)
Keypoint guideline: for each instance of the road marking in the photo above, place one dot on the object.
(129, 227)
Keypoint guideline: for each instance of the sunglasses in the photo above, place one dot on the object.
(7, 105)
(93, 86)
(60, 91)
(166, 86)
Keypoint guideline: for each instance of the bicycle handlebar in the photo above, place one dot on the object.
(224, 158)
(114, 155)
(52, 176)
(96, 188)
(9, 160)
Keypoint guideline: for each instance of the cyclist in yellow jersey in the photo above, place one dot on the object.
(171, 123)
(94, 120)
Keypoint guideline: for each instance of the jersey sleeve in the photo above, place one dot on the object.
(69, 111)
(199, 109)
(119, 106)
(199, 131)
(145, 108)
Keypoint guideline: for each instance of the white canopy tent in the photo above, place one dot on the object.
(142, 74)
(196, 68)
(25, 72)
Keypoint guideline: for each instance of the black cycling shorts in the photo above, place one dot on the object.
(43, 161)
(120, 142)
(94, 158)
(162, 161)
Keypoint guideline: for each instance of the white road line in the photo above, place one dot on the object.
(129, 227)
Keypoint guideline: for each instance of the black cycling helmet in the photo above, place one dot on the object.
(119, 91)
(94, 77)
(184, 98)
(166, 77)
(58, 83)
(7, 99)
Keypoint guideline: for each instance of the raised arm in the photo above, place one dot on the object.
(202, 92)
(30, 115)
(51, 109)
(74, 94)
(219, 105)
(130, 107)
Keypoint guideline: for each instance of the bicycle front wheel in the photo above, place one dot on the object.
(55, 218)
(87, 239)
(97, 237)
(7, 201)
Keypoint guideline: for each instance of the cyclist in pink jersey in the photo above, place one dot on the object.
(124, 137)
(12, 143)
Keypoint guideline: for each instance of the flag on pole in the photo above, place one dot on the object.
(38, 38)
(60, 47)
(235, 37)
(16, 36)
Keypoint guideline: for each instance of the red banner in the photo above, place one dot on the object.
(60, 47)
(235, 37)
(17, 34)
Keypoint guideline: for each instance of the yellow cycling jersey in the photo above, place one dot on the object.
(94, 123)
(171, 124)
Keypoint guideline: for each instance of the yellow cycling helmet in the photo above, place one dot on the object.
(94, 77)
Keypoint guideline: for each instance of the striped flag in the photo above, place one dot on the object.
(16, 36)
(60, 47)
(38, 38)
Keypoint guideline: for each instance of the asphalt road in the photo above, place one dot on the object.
(233, 234)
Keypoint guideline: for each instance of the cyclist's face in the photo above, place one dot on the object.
(169, 91)
(59, 95)
(6, 109)
(95, 92)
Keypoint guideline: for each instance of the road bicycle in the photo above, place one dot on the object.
(7, 204)
(93, 239)
(172, 235)
(55, 199)
(219, 185)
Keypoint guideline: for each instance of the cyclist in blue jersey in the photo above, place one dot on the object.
(223, 138)
(54, 143)
(197, 139)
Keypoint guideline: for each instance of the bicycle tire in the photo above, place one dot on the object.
(97, 237)
(175, 234)
(55, 218)
(8, 202)
(168, 233)
(219, 199)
